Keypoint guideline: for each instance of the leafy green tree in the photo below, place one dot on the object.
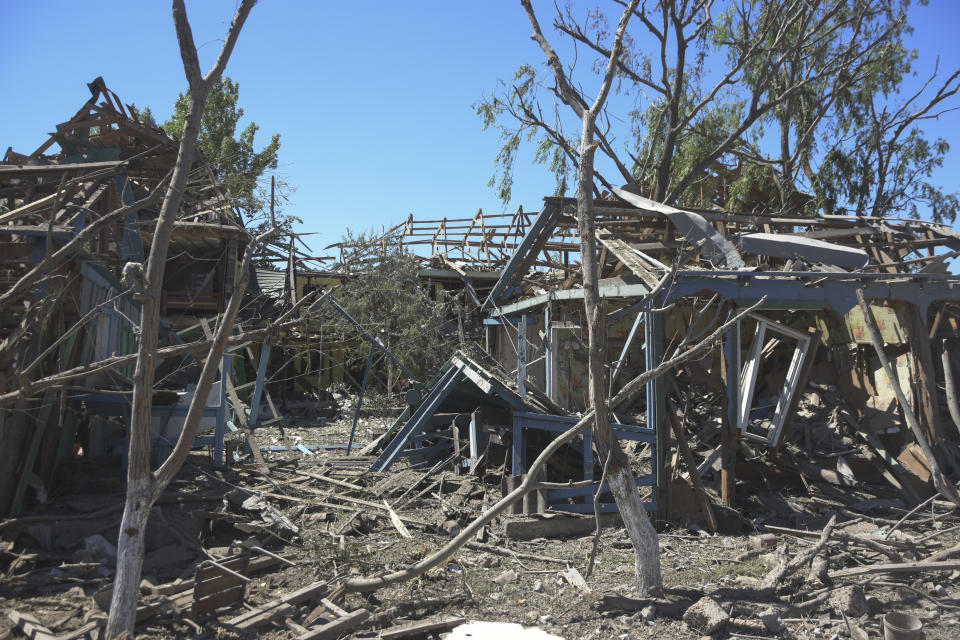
(233, 156)
(417, 323)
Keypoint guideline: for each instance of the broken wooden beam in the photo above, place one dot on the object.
(338, 627)
(30, 626)
(557, 526)
(898, 568)
(276, 608)
(941, 482)
(218, 584)
(421, 627)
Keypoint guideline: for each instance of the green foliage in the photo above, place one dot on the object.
(773, 107)
(512, 117)
(754, 567)
(145, 115)
(383, 293)
(233, 156)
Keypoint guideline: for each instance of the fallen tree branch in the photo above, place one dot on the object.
(510, 553)
(596, 516)
(784, 570)
(944, 554)
(898, 568)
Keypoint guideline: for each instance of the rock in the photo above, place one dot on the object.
(770, 618)
(858, 633)
(648, 613)
(538, 586)
(103, 596)
(850, 601)
(450, 527)
(506, 577)
(706, 616)
(765, 541)
(573, 576)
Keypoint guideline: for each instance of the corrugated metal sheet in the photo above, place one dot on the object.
(271, 282)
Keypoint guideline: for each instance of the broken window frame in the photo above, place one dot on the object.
(751, 368)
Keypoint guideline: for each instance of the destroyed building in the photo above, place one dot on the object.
(795, 396)
(74, 225)
(669, 276)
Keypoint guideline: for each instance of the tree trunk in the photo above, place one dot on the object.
(622, 484)
(130, 548)
(144, 486)
(140, 485)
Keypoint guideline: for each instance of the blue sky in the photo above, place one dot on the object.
(372, 100)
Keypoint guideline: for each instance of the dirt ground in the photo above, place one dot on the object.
(52, 566)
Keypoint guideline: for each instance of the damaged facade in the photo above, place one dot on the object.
(75, 225)
(670, 276)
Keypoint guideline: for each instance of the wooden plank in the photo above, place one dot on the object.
(213, 585)
(396, 521)
(625, 254)
(255, 565)
(30, 626)
(217, 584)
(30, 171)
(421, 627)
(239, 408)
(338, 627)
(271, 554)
(262, 615)
(266, 612)
(925, 385)
(321, 610)
(65, 355)
(897, 568)
(878, 452)
(557, 526)
(79, 632)
(323, 478)
(210, 603)
(331, 496)
(30, 207)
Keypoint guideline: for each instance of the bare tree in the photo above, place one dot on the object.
(622, 483)
(144, 485)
